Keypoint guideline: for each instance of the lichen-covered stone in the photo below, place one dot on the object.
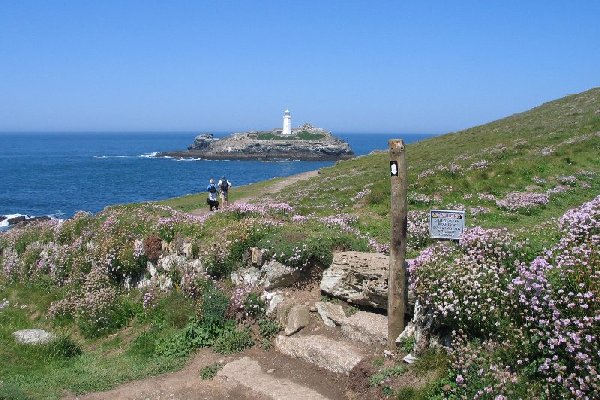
(33, 336)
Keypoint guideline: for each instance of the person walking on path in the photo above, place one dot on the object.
(224, 186)
(212, 201)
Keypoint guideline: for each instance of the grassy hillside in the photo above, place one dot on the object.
(521, 173)
(552, 149)
(534, 151)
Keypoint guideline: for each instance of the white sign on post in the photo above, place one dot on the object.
(446, 224)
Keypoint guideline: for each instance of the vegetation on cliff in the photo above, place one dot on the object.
(518, 294)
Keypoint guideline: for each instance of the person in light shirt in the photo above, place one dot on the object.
(224, 186)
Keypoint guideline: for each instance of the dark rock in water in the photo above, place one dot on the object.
(37, 219)
(306, 143)
(202, 141)
(16, 220)
(23, 220)
(2, 218)
(28, 221)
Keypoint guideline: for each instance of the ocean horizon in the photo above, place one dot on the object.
(60, 173)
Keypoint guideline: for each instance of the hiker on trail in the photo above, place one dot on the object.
(212, 201)
(224, 186)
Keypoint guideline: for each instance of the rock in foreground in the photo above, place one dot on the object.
(33, 336)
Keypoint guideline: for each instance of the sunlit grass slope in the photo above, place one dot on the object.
(553, 150)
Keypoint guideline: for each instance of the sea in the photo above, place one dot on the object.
(58, 174)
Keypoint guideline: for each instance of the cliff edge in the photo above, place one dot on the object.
(305, 143)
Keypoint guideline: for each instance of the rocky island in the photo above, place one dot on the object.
(305, 143)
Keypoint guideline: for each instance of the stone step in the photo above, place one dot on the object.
(366, 327)
(248, 373)
(320, 350)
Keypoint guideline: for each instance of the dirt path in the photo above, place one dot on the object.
(186, 384)
(274, 188)
(183, 384)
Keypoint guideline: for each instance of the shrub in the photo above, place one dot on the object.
(174, 346)
(268, 328)
(386, 373)
(96, 306)
(254, 305)
(75, 227)
(63, 347)
(233, 341)
(153, 248)
(210, 371)
(177, 309)
(214, 304)
(145, 344)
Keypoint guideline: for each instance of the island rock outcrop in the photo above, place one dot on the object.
(304, 143)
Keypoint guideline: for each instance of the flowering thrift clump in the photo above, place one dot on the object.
(360, 195)
(424, 174)
(568, 180)
(93, 305)
(466, 286)
(557, 189)
(481, 164)
(417, 228)
(344, 223)
(419, 198)
(475, 211)
(558, 296)
(523, 329)
(480, 375)
(487, 197)
(522, 201)
(261, 209)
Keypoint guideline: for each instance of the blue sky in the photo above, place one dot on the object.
(348, 66)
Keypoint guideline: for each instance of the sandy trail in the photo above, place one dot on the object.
(274, 188)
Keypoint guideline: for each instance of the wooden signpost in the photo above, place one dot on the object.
(396, 279)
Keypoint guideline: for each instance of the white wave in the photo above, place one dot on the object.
(4, 223)
(188, 159)
(115, 156)
(150, 155)
(10, 216)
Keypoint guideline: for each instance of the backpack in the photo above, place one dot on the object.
(212, 188)
(224, 186)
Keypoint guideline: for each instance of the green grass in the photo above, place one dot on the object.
(210, 371)
(72, 363)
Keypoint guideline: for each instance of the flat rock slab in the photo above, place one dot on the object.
(33, 336)
(322, 351)
(331, 314)
(298, 318)
(248, 373)
(366, 327)
(360, 278)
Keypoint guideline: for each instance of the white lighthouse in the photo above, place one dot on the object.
(287, 123)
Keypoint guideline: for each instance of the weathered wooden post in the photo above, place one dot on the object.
(396, 279)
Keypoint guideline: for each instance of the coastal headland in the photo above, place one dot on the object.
(305, 143)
